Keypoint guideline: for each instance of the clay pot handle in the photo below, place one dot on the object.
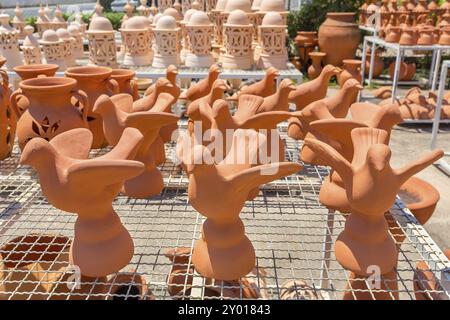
(82, 97)
(13, 102)
(134, 88)
(113, 86)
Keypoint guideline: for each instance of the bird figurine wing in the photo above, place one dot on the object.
(264, 120)
(164, 102)
(127, 147)
(123, 101)
(74, 143)
(407, 171)
(333, 158)
(148, 120)
(248, 106)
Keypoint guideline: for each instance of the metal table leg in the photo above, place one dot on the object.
(396, 73)
(363, 67)
(436, 70)
(432, 69)
(372, 61)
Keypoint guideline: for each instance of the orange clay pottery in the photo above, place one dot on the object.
(426, 36)
(407, 71)
(172, 89)
(408, 37)
(339, 37)
(393, 34)
(73, 183)
(2, 61)
(117, 113)
(305, 42)
(50, 110)
(351, 70)
(307, 93)
(8, 118)
(315, 68)
(219, 191)
(94, 81)
(445, 36)
(378, 65)
(203, 87)
(332, 193)
(371, 185)
(264, 88)
(127, 83)
(279, 101)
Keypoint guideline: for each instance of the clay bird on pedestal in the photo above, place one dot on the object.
(171, 75)
(203, 87)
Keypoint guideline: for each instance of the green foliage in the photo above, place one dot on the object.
(31, 21)
(311, 15)
(115, 18)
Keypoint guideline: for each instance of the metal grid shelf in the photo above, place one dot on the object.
(291, 232)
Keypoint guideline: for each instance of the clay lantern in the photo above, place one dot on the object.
(244, 5)
(102, 43)
(80, 23)
(210, 5)
(167, 42)
(128, 8)
(30, 47)
(215, 16)
(58, 21)
(185, 44)
(143, 9)
(18, 22)
(98, 10)
(68, 44)
(164, 4)
(42, 22)
(185, 6)
(177, 6)
(73, 183)
(78, 46)
(9, 42)
(173, 13)
(270, 6)
(8, 119)
(272, 39)
(137, 38)
(199, 30)
(238, 36)
(53, 49)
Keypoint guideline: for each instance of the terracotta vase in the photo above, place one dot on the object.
(351, 70)
(94, 81)
(50, 110)
(8, 119)
(445, 36)
(408, 37)
(117, 114)
(393, 34)
(73, 183)
(371, 185)
(407, 71)
(378, 65)
(219, 191)
(426, 36)
(305, 42)
(316, 65)
(127, 83)
(339, 37)
(31, 71)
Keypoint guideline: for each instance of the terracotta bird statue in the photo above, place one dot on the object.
(279, 101)
(219, 191)
(116, 119)
(264, 88)
(147, 102)
(171, 75)
(203, 87)
(87, 187)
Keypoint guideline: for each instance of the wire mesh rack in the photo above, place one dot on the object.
(293, 235)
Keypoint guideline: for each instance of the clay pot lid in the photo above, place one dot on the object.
(156, 18)
(348, 17)
(256, 5)
(63, 34)
(432, 6)
(272, 19)
(122, 74)
(30, 40)
(199, 18)
(188, 15)
(317, 54)
(100, 24)
(352, 61)
(220, 5)
(45, 85)
(50, 36)
(196, 5)
(88, 73)
(173, 13)
(272, 5)
(137, 23)
(243, 5)
(33, 70)
(166, 23)
(238, 18)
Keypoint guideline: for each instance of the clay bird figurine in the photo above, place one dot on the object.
(87, 187)
(279, 101)
(371, 185)
(203, 87)
(147, 102)
(264, 88)
(171, 75)
(116, 119)
(219, 191)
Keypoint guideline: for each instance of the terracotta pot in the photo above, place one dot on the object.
(378, 65)
(371, 185)
(316, 66)
(94, 81)
(351, 70)
(2, 61)
(436, 35)
(8, 119)
(50, 110)
(445, 36)
(73, 183)
(127, 83)
(393, 34)
(305, 41)
(420, 197)
(408, 37)
(426, 36)
(407, 71)
(357, 288)
(339, 37)
(31, 71)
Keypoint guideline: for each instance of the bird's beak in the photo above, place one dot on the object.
(360, 86)
(337, 70)
(379, 164)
